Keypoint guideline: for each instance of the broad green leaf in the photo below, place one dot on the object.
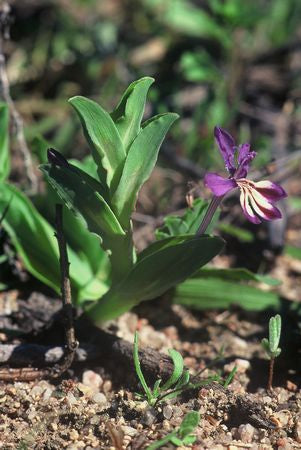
(211, 293)
(139, 164)
(36, 244)
(83, 199)
(237, 274)
(178, 364)
(160, 245)
(129, 112)
(4, 142)
(155, 274)
(102, 134)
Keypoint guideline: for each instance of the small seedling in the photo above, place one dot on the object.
(181, 436)
(271, 345)
(178, 380)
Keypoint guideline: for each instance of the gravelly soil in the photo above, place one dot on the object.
(88, 410)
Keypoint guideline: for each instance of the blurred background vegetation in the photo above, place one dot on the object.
(228, 62)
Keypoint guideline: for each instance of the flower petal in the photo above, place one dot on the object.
(271, 191)
(219, 185)
(226, 146)
(247, 210)
(245, 156)
(263, 207)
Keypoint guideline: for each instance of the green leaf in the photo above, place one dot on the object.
(294, 252)
(32, 236)
(139, 164)
(183, 17)
(266, 346)
(35, 242)
(161, 442)
(80, 194)
(189, 423)
(211, 293)
(230, 377)
(102, 134)
(4, 142)
(188, 223)
(241, 234)
(177, 369)
(237, 274)
(39, 147)
(176, 441)
(188, 440)
(156, 273)
(274, 332)
(139, 372)
(184, 380)
(129, 112)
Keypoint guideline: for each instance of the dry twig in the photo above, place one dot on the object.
(5, 94)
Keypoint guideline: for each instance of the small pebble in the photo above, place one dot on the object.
(242, 365)
(71, 400)
(100, 399)
(284, 417)
(129, 431)
(37, 391)
(73, 435)
(92, 380)
(149, 417)
(167, 412)
(246, 432)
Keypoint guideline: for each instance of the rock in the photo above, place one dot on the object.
(37, 391)
(284, 417)
(71, 400)
(167, 412)
(93, 380)
(242, 366)
(129, 431)
(47, 394)
(177, 412)
(245, 432)
(73, 435)
(149, 417)
(100, 399)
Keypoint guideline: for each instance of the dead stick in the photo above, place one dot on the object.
(71, 342)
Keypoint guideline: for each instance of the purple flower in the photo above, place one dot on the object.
(256, 198)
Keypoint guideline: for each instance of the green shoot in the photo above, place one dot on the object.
(181, 436)
(178, 380)
(271, 345)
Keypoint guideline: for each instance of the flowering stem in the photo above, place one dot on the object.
(209, 214)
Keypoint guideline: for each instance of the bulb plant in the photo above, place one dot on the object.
(124, 151)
